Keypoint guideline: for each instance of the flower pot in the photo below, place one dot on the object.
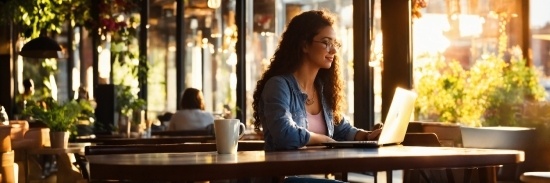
(59, 139)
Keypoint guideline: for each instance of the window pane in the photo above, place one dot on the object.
(540, 39)
(218, 47)
(210, 57)
(161, 80)
(376, 61)
(458, 45)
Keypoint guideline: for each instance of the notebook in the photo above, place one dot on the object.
(395, 126)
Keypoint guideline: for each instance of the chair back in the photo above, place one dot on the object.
(449, 134)
(421, 139)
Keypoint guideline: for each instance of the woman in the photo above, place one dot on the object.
(192, 115)
(299, 99)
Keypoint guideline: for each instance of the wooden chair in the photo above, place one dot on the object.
(448, 134)
(535, 177)
(423, 139)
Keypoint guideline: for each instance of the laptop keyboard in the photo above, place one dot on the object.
(368, 142)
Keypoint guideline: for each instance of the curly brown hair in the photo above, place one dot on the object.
(288, 58)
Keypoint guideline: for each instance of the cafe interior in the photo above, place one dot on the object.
(480, 70)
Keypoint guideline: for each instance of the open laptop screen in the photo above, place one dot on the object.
(395, 126)
(399, 115)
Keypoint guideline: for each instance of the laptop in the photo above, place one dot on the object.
(395, 126)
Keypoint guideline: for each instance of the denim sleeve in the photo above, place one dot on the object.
(344, 131)
(286, 134)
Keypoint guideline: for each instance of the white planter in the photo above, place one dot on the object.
(500, 137)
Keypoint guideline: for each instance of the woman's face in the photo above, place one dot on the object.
(322, 49)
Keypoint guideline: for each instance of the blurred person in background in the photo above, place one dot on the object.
(191, 116)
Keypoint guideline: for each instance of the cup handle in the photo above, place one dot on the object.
(243, 128)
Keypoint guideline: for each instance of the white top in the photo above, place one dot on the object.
(191, 119)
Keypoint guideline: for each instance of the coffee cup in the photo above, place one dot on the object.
(228, 132)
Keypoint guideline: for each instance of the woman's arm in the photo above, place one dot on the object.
(315, 138)
(278, 124)
(344, 131)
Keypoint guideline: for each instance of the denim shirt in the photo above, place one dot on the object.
(283, 115)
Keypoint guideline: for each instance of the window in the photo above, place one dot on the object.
(540, 39)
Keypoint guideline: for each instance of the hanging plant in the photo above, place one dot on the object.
(36, 16)
(112, 16)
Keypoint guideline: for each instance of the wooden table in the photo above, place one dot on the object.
(153, 140)
(200, 166)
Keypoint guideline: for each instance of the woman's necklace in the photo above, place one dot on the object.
(309, 100)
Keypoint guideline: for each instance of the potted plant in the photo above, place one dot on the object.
(487, 94)
(130, 108)
(60, 118)
(485, 99)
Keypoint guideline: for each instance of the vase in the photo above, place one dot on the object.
(59, 139)
(136, 123)
(124, 125)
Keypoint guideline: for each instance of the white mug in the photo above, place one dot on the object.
(228, 132)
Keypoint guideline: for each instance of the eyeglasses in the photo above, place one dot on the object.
(329, 45)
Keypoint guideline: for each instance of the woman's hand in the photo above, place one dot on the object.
(363, 135)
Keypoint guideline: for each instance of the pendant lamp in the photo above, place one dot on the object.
(42, 47)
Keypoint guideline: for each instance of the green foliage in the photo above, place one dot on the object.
(475, 97)
(128, 86)
(35, 16)
(447, 82)
(127, 100)
(520, 84)
(58, 117)
(87, 110)
(48, 15)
